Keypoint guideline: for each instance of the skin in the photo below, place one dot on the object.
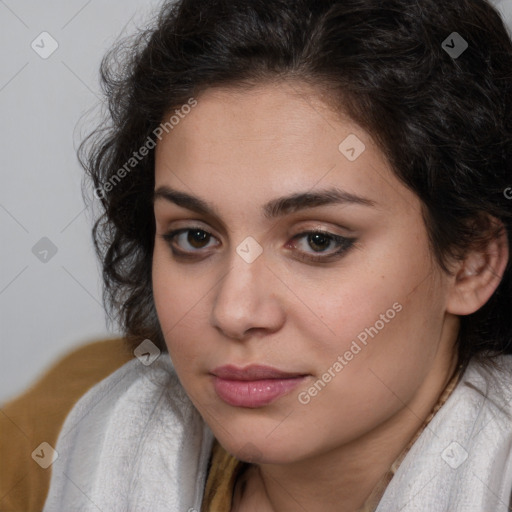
(238, 149)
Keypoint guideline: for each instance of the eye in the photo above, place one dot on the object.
(195, 238)
(320, 242)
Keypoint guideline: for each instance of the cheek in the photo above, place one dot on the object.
(383, 317)
(170, 296)
(372, 368)
(364, 305)
(181, 304)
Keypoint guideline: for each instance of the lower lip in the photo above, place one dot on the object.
(254, 393)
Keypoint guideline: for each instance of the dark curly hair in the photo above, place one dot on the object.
(443, 121)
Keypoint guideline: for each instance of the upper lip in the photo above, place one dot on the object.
(252, 372)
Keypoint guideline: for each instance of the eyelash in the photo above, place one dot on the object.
(343, 243)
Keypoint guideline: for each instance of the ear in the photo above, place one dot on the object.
(477, 276)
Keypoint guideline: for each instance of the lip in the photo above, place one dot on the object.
(252, 372)
(253, 386)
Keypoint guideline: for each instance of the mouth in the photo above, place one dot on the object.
(253, 386)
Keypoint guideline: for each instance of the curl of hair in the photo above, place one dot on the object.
(444, 124)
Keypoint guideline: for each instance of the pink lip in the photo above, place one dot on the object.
(253, 386)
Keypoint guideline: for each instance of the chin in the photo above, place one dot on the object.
(260, 450)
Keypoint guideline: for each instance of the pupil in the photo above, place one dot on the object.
(196, 237)
(317, 240)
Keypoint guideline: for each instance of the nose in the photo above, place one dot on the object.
(246, 301)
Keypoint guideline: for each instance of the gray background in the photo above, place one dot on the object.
(49, 307)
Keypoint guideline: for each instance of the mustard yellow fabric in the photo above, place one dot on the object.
(38, 414)
(225, 468)
(222, 476)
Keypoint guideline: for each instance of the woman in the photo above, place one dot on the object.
(306, 210)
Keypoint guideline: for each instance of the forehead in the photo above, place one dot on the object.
(285, 103)
(268, 140)
(267, 119)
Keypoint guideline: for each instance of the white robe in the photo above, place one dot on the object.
(134, 442)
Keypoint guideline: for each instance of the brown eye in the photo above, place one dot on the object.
(327, 246)
(188, 240)
(197, 237)
(319, 240)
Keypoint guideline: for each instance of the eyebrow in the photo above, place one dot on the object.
(275, 208)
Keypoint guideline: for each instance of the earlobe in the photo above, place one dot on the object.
(477, 276)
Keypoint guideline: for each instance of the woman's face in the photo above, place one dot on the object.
(349, 323)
